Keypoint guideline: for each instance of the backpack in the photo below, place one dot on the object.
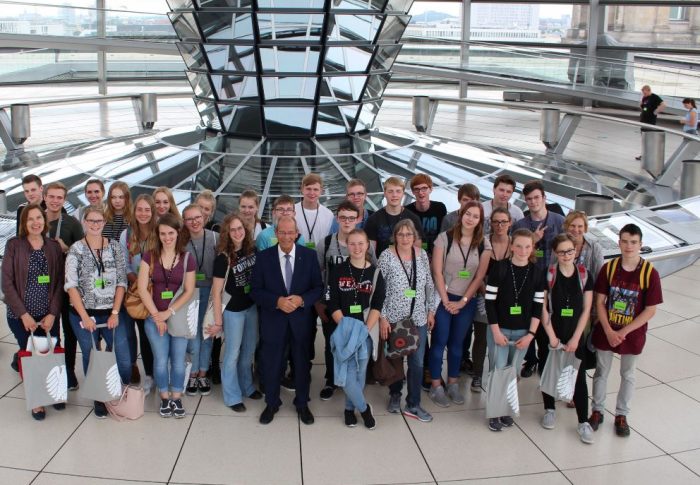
(449, 246)
(552, 277)
(644, 274)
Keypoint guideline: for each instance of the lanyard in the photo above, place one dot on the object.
(465, 258)
(196, 255)
(355, 282)
(412, 275)
(522, 285)
(310, 229)
(98, 260)
(57, 234)
(541, 243)
(167, 275)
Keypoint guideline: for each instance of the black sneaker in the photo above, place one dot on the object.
(166, 410)
(528, 369)
(507, 421)
(495, 424)
(327, 392)
(72, 381)
(476, 384)
(350, 419)
(100, 410)
(204, 386)
(178, 409)
(15, 362)
(288, 383)
(255, 395)
(621, 426)
(192, 386)
(59, 406)
(239, 408)
(467, 366)
(427, 380)
(368, 418)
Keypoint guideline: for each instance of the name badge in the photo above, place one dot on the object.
(310, 245)
(99, 283)
(273, 240)
(246, 289)
(516, 310)
(166, 295)
(620, 305)
(424, 245)
(409, 293)
(43, 279)
(539, 253)
(355, 308)
(464, 274)
(567, 312)
(200, 276)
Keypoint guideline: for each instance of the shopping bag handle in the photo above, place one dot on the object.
(101, 325)
(51, 345)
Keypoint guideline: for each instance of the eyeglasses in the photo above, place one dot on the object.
(566, 252)
(194, 219)
(355, 194)
(500, 223)
(405, 234)
(284, 210)
(347, 218)
(420, 189)
(95, 222)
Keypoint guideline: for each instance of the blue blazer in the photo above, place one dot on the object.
(267, 284)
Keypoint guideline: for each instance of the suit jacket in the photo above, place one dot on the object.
(267, 285)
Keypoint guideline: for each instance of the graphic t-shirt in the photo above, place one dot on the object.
(626, 300)
(238, 283)
(648, 106)
(431, 222)
(380, 227)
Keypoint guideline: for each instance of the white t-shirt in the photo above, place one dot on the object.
(515, 214)
(314, 225)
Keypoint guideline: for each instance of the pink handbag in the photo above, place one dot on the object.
(129, 406)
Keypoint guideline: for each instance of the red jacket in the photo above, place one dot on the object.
(15, 265)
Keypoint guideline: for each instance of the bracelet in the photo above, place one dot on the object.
(531, 333)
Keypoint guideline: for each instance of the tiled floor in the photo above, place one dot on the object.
(215, 446)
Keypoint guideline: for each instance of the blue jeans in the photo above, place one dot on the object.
(450, 330)
(200, 350)
(114, 339)
(240, 339)
(501, 356)
(22, 335)
(166, 347)
(414, 376)
(355, 382)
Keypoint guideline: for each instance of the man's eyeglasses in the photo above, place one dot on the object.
(347, 218)
(500, 223)
(355, 194)
(566, 252)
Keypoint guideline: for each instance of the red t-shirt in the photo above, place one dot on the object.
(625, 301)
(168, 280)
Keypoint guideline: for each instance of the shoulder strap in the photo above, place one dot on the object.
(262, 224)
(481, 248)
(448, 233)
(551, 275)
(645, 274)
(327, 243)
(610, 269)
(582, 276)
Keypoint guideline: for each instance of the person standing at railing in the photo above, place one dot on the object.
(651, 106)
(690, 120)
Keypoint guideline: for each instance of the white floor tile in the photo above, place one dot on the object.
(460, 446)
(33, 442)
(551, 478)
(145, 449)
(16, 477)
(685, 334)
(240, 450)
(691, 459)
(690, 387)
(667, 362)
(329, 441)
(663, 318)
(46, 478)
(686, 306)
(654, 471)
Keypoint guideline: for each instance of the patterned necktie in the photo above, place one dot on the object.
(288, 272)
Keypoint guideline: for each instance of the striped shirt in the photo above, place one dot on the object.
(514, 294)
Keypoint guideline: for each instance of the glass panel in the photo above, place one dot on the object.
(289, 59)
(33, 18)
(290, 26)
(192, 55)
(200, 84)
(235, 88)
(46, 65)
(129, 64)
(330, 121)
(358, 4)
(354, 27)
(386, 55)
(347, 59)
(185, 25)
(404, 5)
(393, 28)
(231, 57)
(316, 4)
(242, 120)
(367, 115)
(651, 26)
(376, 85)
(342, 88)
(291, 88)
(207, 110)
(224, 3)
(288, 121)
(226, 25)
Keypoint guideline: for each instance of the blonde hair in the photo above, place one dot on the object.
(173, 207)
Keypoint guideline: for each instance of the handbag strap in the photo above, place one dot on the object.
(371, 293)
(102, 325)
(223, 288)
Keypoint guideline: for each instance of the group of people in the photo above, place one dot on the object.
(485, 278)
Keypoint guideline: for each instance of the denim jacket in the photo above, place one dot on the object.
(348, 347)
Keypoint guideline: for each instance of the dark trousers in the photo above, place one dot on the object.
(479, 347)
(145, 347)
(328, 329)
(22, 335)
(216, 355)
(274, 337)
(580, 397)
(538, 356)
(70, 343)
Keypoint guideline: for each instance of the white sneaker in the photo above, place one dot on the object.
(147, 385)
(548, 419)
(585, 432)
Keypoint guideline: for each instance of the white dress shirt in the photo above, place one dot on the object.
(283, 261)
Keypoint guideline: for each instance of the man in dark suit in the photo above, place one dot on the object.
(286, 284)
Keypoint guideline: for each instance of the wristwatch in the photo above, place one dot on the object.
(465, 299)
(115, 312)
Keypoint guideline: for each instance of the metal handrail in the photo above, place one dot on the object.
(95, 98)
